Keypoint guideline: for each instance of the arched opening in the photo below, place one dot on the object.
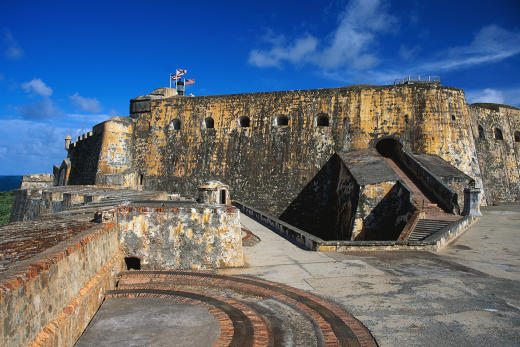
(389, 148)
(453, 117)
(517, 136)
(281, 121)
(175, 124)
(406, 119)
(209, 123)
(133, 263)
(481, 134)
(140, 179)
(498, 134)
(244, 122)
(322, 120)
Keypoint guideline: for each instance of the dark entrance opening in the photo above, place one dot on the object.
(222, 196)
(389, 148)
(133, 263)
(141, 178)
(322, 120)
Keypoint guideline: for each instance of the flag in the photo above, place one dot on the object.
(181, 72)
(189, 81)
(174, 77)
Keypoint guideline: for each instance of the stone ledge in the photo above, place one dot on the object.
(305, 240)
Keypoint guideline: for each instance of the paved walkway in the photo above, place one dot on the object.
(466, 295)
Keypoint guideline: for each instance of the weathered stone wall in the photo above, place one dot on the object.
(270, 165)
(37, 181)
(64, 285)
(499, 159)
(106, 151)
(174, 235)
(384, 209)
(274, 148)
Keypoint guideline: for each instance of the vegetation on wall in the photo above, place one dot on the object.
(6, 200)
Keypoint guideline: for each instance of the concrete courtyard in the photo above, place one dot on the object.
(466, 295)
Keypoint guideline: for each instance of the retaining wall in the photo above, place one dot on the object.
(49, 299)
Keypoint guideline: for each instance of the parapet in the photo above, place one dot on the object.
(37, 181)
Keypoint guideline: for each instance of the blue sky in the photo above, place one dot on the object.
(66, 66)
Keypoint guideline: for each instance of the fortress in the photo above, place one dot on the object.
(312, 158)
(166, 191)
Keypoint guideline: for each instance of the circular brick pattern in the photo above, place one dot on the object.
(232, 300)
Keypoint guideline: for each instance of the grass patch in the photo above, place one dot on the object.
(6, 201)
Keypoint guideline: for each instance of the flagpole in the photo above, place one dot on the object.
(170, 81)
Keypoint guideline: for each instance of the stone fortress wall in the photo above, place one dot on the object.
(276, 148)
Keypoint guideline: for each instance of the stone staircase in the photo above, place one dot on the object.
(425, 228)
(433, 218)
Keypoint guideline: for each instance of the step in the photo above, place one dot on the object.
(426, 228)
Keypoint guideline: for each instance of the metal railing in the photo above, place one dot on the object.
(418, 79)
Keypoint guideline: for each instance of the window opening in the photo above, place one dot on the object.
(175, 124)
(209, 123)
(322, 120)
(498, 134)
(223, 196)
(281, 121)
(244, 122)
(481, 132)
(517, 136)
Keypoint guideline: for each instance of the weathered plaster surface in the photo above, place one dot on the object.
(181, 237)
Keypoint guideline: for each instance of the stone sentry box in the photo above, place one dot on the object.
(213, 192)
(162, 235)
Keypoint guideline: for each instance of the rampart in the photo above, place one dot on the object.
(71, 243)
(279, 150)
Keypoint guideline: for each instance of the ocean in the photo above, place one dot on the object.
(9, 183)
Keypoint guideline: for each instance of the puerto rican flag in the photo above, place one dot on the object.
(189, 81)
(181, 72)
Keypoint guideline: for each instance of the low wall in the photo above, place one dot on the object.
(49, 299)
(446, 197)
(435, 242)
(174, 235)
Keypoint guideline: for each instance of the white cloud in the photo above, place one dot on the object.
(485, 95)
(495, 96)
(40, 110)
(491, 44)
(293, 53)
(32, 146)
(37, 86)
(350, 44)
(85, 104)
(12, 48)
